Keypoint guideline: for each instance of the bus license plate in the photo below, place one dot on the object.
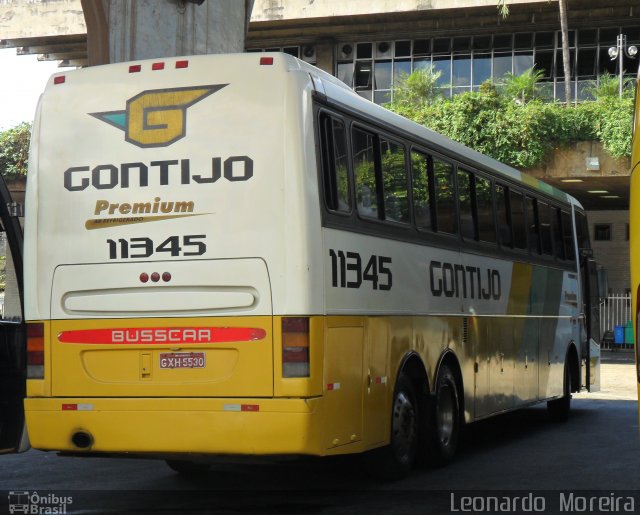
(182, 360)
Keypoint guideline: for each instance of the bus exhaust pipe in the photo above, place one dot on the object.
(82, 439)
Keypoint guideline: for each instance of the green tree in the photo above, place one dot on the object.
(418, 88)
(14, 150)
(503, 8)
(522, 87)
(607, 87)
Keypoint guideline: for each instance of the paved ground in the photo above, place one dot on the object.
(617, 377)
(596, 452)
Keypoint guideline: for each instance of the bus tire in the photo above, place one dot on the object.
(188, 468)
(445, 418)
(396, 460)
(559, 409)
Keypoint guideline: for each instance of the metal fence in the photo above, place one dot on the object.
(615, 317)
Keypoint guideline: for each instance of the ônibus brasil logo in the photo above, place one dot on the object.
(157, 117)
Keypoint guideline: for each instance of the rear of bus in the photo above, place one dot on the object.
(168, 259)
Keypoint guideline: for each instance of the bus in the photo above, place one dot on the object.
(238, 255)
(634, 228)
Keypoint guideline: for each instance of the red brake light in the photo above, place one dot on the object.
(135, 68)
(59, 79)
(157, 66)
(268, 61)
(295, 347)
(182, 64)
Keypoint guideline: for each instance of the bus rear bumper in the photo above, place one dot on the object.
(177, 425)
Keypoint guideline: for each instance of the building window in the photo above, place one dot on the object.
(602, 232)
(465, 62)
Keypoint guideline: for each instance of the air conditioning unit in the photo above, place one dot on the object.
(345, 51)
(308, 53)
(384, 50)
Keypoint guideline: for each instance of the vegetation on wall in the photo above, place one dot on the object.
(14, 150)
(510, 123)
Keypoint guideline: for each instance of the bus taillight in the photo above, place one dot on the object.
(295, 347)
(35, 350)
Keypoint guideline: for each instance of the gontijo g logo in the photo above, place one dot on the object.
(157, 118)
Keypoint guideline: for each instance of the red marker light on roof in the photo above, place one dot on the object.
(59, 79)
(135, 68)
(266, 61)
(182, 64)
(157, 66)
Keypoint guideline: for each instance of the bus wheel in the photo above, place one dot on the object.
(445, 427)
(396, 459)
(188, 468)
(559, 408)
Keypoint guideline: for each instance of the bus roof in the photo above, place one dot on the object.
(339, 92)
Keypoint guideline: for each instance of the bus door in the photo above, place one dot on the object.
(591, 300)
(12, 329)
(590, 341)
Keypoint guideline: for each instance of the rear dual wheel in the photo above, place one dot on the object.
(415, 429)
(396, 459)
(445, 418)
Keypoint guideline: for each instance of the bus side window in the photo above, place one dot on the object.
(516, 202)
(504, 216)
(446, 217)
(533, 227)
(484, 204)
(365, 173)
(394, 180)
(335, 164)
(556, 223)
(9, 290)
(567, 236)
(544, 217)
(468, 225)
(421, 179)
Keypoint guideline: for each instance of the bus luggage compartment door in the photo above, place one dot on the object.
(198, 328)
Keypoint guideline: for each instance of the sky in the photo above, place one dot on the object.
(22, 80)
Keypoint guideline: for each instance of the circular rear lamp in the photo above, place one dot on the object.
(155, 277)
(166, 277)
(144, 277)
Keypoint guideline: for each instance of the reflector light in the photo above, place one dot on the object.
(182, 64)
(162, 335)
(35, 350)
(144, 277)
(157, 66)
(266, 61)
(135, 68)
(59, 79)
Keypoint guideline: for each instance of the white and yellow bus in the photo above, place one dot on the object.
(239, 255)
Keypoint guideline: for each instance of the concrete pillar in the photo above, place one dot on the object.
(123, 30)
(325, 57)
